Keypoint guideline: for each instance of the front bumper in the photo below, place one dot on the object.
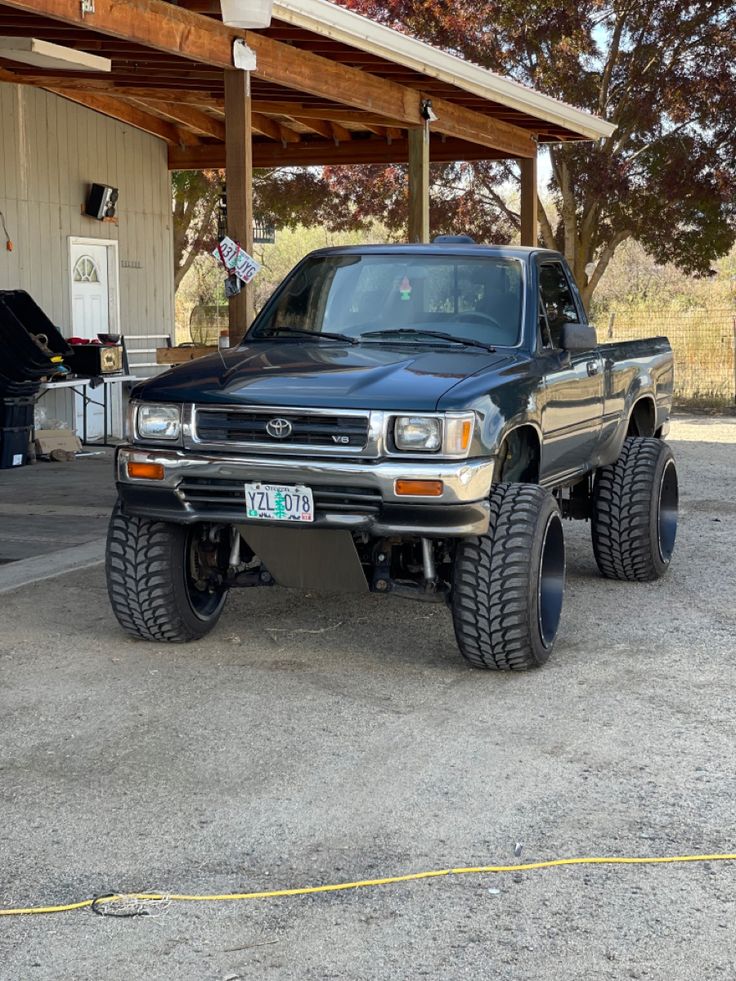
(348, 494)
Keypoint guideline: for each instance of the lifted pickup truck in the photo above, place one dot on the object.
(413, 420)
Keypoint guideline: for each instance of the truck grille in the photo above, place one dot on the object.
(215, 494)
(250, 426)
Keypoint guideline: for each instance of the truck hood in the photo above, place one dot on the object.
(322, 375)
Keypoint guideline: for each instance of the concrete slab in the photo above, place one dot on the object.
(51, 506)
(55, 563)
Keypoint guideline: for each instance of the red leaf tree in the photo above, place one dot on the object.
(661, 70)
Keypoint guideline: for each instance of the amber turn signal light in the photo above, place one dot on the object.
(419, 488)
(146, 471)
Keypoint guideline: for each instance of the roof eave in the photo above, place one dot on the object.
(330, 20)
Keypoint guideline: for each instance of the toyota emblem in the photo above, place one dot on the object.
(279, 428)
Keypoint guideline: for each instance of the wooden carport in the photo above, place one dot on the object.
(328, 87)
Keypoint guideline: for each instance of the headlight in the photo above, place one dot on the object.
(452, 434)
(418, 433)
(158, 421)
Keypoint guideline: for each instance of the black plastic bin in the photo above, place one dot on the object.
(16, 412)
(22, 358)
(15, 389)
(14, 446)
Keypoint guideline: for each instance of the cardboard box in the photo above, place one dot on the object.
(56, 439)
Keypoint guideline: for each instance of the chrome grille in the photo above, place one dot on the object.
(307, 429)
(216, 494)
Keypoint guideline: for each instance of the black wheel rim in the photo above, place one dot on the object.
(667, 511)
(551, 580)
(204, 603)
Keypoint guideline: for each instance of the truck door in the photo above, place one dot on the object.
(572, 397)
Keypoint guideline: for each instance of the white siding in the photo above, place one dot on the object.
(50, 151)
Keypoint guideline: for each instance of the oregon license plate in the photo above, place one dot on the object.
(279, 502)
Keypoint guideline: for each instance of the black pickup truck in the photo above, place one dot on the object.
(410, 419)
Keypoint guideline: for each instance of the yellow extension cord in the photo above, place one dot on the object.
(366, 883)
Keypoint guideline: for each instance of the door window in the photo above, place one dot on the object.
(85, 270)
(557, 305)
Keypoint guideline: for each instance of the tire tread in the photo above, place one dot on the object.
(622, 503)
(141, 559)
(490, 596)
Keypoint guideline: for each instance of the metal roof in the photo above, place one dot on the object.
(330, 20)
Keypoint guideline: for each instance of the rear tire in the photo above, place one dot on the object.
(151, 590)
(508, 585)
(635, 512)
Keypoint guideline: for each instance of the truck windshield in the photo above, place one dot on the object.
(474, 298)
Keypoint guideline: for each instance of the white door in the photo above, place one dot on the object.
(90, 289)
(90, 292)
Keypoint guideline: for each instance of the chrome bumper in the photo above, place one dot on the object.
(461, 509)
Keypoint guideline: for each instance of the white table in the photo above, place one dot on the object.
(79, 385)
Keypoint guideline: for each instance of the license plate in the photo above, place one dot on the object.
(279, 502)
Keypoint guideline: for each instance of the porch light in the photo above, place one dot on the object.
(44, 54)
(246, 13)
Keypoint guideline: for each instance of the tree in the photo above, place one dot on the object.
(458, 201)
(284, 197)
(195, 195)
(661, 70)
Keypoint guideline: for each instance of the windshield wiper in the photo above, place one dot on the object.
(316, 335)
(416, 332)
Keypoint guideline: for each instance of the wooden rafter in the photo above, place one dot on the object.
(126, 113)
(272, 129)
(172, 29)
(192, 119)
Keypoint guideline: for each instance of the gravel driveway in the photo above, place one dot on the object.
(318, 739)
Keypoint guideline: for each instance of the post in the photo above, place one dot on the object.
(239, 177)
(529, 230)
(419, 184)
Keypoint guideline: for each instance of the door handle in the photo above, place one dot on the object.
(593, 367)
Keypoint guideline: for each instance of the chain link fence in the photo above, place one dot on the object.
(703, 342)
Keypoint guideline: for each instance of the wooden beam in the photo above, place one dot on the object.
(340, 134)
(529, 229)
(273, 129)
(169, 28)
(126, 113)
(467, 124)
(307, 72)
(319, 126)
(318, 153)
(192, 119)
(342, 114)
(153, 23)
(418, 230)
(239, 177)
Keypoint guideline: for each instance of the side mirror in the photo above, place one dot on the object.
(578, 337)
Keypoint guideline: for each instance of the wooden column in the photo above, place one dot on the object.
(419, 184)
(239, 178)
(529, 230)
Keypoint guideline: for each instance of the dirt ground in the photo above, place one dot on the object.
(314, 739)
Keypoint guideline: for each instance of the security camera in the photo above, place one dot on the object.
(426, 111)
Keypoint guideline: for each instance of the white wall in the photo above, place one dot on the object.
(50, 151)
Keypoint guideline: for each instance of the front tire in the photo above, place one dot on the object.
(635, 512)
(508, 584)
(149, 580)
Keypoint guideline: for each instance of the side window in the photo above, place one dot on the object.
(545, 336)
(557, 302)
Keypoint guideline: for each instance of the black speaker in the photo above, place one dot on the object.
(101, 201)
